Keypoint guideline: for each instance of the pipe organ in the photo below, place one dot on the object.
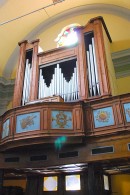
(59, 79)
(79, 72)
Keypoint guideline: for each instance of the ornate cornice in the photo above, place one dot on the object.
(6, 93)
(6, 82)
(121, 61)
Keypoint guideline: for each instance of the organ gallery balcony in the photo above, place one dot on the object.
(41, 123)
(64, 123)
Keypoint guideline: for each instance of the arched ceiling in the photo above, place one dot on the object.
(35, 25)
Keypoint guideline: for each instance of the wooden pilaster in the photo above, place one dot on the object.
(34, 185)
(35, 72)
(95, 180)
(82, 68)
(91, 180)
(99, 181)
(101, 59)
(61, 184)
(20, 75)
(1, 180)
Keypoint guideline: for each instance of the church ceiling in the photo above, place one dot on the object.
(28, 19)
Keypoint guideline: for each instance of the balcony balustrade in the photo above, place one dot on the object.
(44, 122)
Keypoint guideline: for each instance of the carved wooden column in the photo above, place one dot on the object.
(35, 72)
(1, 180)
(91, 180)
(20, 75)
(95, 180)
(61, 184)
(99, 182)
(34, 185)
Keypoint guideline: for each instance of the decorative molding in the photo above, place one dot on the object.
(120, 54)
(121, 61)
(6, 82)
(122, 74)
(6, 93)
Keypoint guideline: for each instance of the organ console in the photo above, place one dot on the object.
(75, 73)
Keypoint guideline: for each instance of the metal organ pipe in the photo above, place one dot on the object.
(62, 85)
(55, 81)
(96, 71)
(58, 81)
(92, 70)
(68, 90)
(76, 80)
(26, 85)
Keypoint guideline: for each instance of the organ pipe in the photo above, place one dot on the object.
(92, 70)
(68, 90)
(96, 71)
(26, 85)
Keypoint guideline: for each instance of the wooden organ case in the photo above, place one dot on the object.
(74, 73)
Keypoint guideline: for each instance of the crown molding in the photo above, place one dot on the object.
(6, 93)
(120, 54)
(5, 81)
(121, 60)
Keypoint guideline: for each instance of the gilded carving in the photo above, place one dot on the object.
(28, 121)
(62, 119)
(103, 116)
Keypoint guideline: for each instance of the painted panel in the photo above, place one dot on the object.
(5, 131)
(103, 117)
(61, 120)
(28, 122)
(127, 111)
